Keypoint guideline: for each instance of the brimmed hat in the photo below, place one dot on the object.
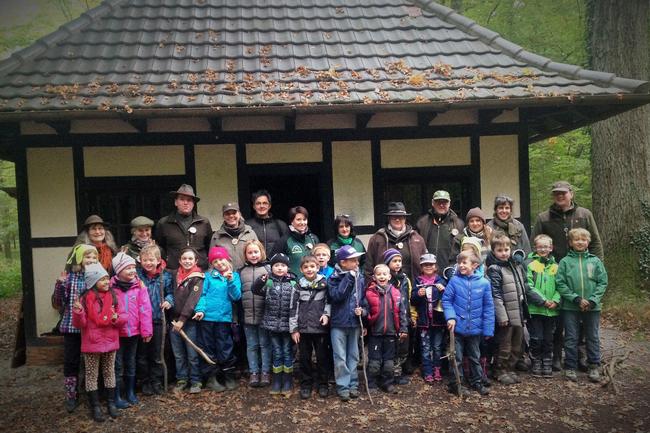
(121, 261)
(230, 206)
(389, 254)
(428, 258)
(562, 186)
(217, 253)
(141, 221)
(396, 208)
(94, 219)
(280, 258)
(347, 252)
(185, 189)
(475, 212)
(93, 273)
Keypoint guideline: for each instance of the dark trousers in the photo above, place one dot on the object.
(467, 345)
(216, 342)
(126, 356)
(313, 343)
(574, 322)
(71, 354)
(381, 357)
(541, 329)
(510, 341)
(149, 364)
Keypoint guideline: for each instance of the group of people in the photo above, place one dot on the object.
(259, 289)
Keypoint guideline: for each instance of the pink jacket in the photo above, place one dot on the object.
(96, 338)
(137, 307)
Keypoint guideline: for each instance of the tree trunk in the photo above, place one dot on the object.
(617, 34)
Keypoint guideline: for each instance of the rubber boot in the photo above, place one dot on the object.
(287, 384)
(276, 384)
(95, 408)
(112, 410)
(130, 390)
(119, 402)
(71, 400)
(231, 382)
(214, 385)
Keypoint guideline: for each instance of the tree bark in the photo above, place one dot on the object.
(617, 34)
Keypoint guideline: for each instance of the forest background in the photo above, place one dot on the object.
(557, 29)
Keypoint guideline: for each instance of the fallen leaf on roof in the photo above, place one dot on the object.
(303, 71)
(413, 11)
(104, 106)
(398, 66)
(340, 10)
(416, 80)
(128, 109)
(443, 69)
(419, 99)
(148, 100)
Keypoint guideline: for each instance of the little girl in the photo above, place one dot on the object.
(279, 289)
(67, 289)
(99, 316)
(134, 297)
(221, 288)
(258, 349)
(189, 286)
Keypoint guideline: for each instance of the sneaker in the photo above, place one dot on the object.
(265, 379)
(428, 379)
(547, 371)
(354, 393)
(571, 375)
(305, 393)
(537, 368)
(402, 380)
(196, 388)
(254, 380)
(481, 389)
(323, 391)
(180, 385)
(594, 373)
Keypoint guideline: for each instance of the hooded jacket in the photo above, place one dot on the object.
(268, 230)
(137, 307)
(541, 273)
(581, 276)
(280, 300)
(386, 312)
(312, 304)
(99, 336)
(468, 301)
(217, 297)
(439, 236)
(296, 246)
(153, 288)
(346, 291)
(186, 296)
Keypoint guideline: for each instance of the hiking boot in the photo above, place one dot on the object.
(265, 379)
(557, 364)
(276, 386)
(571, 375)
(110, 402)
(547, 371)
(71, 404)
(213, 385)
(481, 389)
(537, 368)
(344, 396)
(594, 373)
(354, 393)
(180, 386)
(428, 379)
(254, 380)
(323, 391)
(196, 387)
(437, 375)
(95, 408)
(231, 382)
(390, 389)
(305, 393)
(515, 376)
(522, 365)
(402, 380)
(506, 379)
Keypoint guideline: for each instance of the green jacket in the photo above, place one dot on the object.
(541, 278)
(581, 275)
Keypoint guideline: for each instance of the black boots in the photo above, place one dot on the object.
(95, 408)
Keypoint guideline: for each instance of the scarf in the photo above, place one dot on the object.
(480, 235)
(140, 243)
(104, 256)
(396, 234)
(429, 282)
(509, 227)
(103, 315)
(183, 273)
(124, 286)
(345, 241)
(184, 220)
(234, 231)
(295, 230)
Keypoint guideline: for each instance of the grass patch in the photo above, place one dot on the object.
(10, 278)
(628, 311)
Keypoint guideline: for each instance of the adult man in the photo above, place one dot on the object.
(184, 227)
(439, 227)
(269, 230)
(233, 234)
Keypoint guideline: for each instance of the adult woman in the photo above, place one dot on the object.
(140, 236)
(504, 223)
(233, 234)
(95, 233)
(344, 230)
(299, 241)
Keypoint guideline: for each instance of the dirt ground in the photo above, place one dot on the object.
(31, 399)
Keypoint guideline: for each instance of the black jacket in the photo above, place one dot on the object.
(171, 237)
(269, 231)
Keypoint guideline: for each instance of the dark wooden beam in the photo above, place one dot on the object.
(139, 124)
(487, 116)
(216, 124)
(62, 127)
(290, 122)
(363, 119)
(425, 117)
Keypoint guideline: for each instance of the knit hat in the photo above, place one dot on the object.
(77, 254)
(93, 273)
(141, 221)
(476, 243)
(389, 254)
(428, 258)
(121, 261)
(347, 252)
(218, 253)
(279, 258)
(475, 212)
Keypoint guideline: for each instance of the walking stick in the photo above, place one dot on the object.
(195, 347)
(164, 331)
(451, 356)
(363, 365)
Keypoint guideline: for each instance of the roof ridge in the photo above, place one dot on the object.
(494, 39)
(46, 42)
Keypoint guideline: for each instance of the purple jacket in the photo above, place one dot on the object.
(137, 307)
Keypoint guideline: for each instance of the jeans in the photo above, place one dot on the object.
(125, 359)
(282, 353)
(149, 362)
(258, 349)
(381, 358)
(541, 330)
(187, 360)
(468, 345)
(216, 342)
(590, 321)
(345, 345)
(431, 343)
(313, 343)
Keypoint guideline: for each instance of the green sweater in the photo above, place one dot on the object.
(541, 274)
(581, 275)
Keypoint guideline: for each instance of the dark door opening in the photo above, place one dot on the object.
(289, 190)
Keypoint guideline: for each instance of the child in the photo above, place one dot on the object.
(344, 229)
(541, 272)
(322, 253)
(67, 289)
(469, 311)
(134, 298)
(280, 304)
(510, 291)
(258, 346)
(221, 288)
(346, 292)
(475, 228)
(582, 281)
(393, 259)
(159, 284)
(99, 316)
(309, 326)
(431, 320)
(386, 323)
(189, 286)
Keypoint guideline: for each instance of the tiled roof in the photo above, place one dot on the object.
(130, 55)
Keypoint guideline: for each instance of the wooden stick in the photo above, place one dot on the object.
(164, 330)
(194, 346)
(363, 365)
(451, 356)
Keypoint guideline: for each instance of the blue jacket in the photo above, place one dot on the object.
(346, 292)
(217, 297)
(153, 287)
(468, 300)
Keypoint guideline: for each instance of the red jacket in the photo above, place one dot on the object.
(99, 333)
(385, 316)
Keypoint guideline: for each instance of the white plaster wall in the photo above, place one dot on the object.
(96, 126)
(48, 265)
(276, 153)
(50, 183)
(326, 121)
(216, 179)
(134, 161)
(352, 179)
(432, 152)
(253, 123)
(499, 170)
(180, 124)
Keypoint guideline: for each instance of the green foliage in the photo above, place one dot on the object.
(10, 278)
(641, 243)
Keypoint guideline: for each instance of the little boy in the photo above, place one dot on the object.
(510, 292)
(386, 323)
(393, 259)
(469, 311)
(541, 272)
(582, 281)
(159, 283)
(308, 327)
(345, 289)
(322, 253)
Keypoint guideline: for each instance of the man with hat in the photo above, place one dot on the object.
(233, 234)
(140, 236)
(184, 227)
(439, 227)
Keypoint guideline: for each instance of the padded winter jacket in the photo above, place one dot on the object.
(280, 299)
(426, 310)
(336, 243)
(99, 338)
(234, 244)
(187, 295)
(581, 275)
(346, 291)
(252, 304)
(541, 273)
(312, 304)
(137, 307)
(217, 296)
(386, 312)
(153, 288)
(468, 301)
